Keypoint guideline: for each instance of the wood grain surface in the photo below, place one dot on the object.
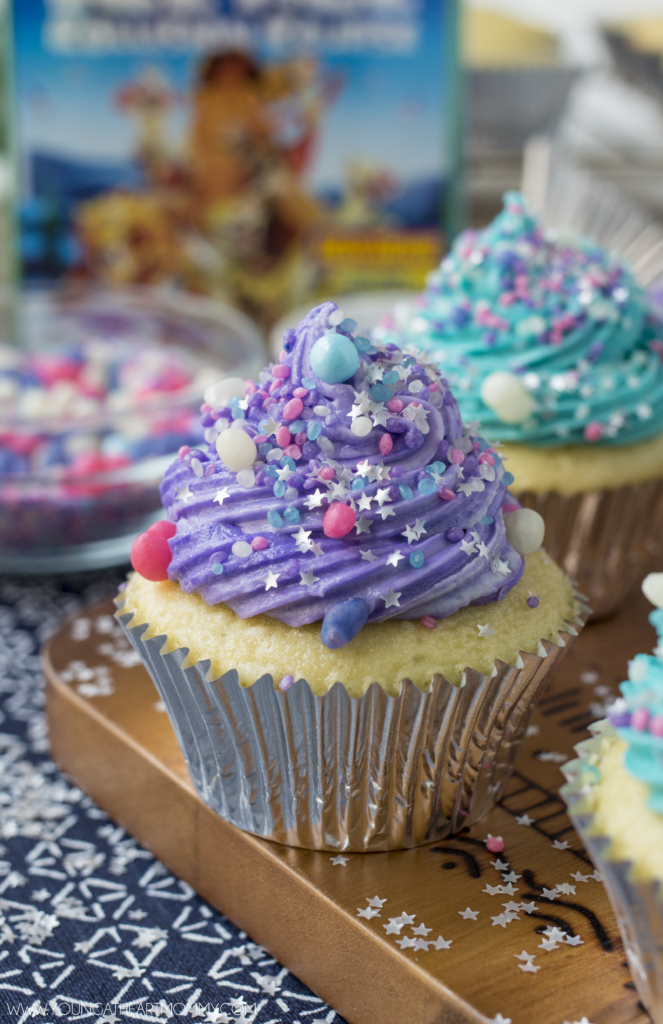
(304, 908)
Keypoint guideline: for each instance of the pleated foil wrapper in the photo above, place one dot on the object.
(638, 905)
(340, 773)
(604, 540)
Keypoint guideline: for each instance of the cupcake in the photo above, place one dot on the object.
(347, 616)
(551, 347)
(615, 797)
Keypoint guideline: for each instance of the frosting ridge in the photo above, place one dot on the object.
(369, 489)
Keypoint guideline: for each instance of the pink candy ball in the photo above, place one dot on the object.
(386, 444)
(326, 473)
(184, 450)
(283, 437)
(395, 404)
(495, 844)
(300, 392)
(593, 432)
(640, 719)
(446, 494)
(457, 456)
(293, 451)
(293, 409)
(339, 520)
(259, 543)
(281, 371)
(429, 622)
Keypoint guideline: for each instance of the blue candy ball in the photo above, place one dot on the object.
(343, 621)
(334, 358)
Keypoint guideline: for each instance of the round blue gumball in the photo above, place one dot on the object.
(334, 358)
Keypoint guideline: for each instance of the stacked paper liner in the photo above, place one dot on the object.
(340, 773)
(637, 904)
(604, 540)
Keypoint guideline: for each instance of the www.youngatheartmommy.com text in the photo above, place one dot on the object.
(234, 1012)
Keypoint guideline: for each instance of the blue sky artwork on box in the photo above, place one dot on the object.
(257, 150)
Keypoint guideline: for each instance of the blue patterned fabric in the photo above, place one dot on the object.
(92, 927)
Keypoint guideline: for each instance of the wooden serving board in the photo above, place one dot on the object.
(109, 732)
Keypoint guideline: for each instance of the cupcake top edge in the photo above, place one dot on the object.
(340, 486)
(637, 716)
(545, 337)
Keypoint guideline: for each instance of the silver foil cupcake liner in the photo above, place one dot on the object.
(638, 905)
(604, 540)
(341, 773)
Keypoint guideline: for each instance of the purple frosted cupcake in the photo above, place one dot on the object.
(347, 616)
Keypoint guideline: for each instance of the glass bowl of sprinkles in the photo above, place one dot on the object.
(100, 395)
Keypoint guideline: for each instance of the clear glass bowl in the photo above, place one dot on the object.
(92, 485)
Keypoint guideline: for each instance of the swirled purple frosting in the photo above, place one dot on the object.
(426, 493)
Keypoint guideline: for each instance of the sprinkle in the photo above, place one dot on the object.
(386, 444)
(308, 579)
(259, 543)
(495, 844)
(283, 436)
(309, 382)
(293, 409)
(270, 580)
(274, 519)
(593, 431)
(221, 495)
(217, 568)
(241, 549)
(405, 491)
(291, 513)
(281, 372)
(395, 405)
(487, 632)
(532, 601)
(391, 599)
(286, 683)
(184, 450)
(338, 520)
(279, 488)
(417, 559)
(426, 486)
(394, 558)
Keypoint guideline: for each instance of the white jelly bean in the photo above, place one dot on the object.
(320, 410)
(236, 449)
(217, 395)
(246, 478)
(337, 317)
(524, 530)
(507, 396)
(415, 386)
(361, 426)
(197, 467)
(652, 588)
(241, 549)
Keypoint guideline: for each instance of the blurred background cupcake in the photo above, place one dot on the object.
(615, 797)
(552, 347)
(343, 560)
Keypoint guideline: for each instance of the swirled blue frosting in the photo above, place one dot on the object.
(560, 314)
(638, 717)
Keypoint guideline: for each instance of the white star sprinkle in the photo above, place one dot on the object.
(499, 1019)
(382, 496)
(421, 944)
(573, 940)
(528, 908)
(441, 943)
(363, 525)
(548, 945)
(597, 877)
(394, 927)
(284, 473)
(363, 468)
(482, 550)
(493, 890)
(404, 919)
(583, 1021)
(486, 631)
(406, 942)
(564, 889)
(270, 580)
(317, 549)
(561, 844)
(221, 495)
(410, 534)
(301, 539)
(385, 512)
(183, 493)
(501, 920)
(524, 819)
(375, 901)
(527, 958)
(339, 860)
(500, 568)
(529, 968)
(511, 877)
(271, 427)
(549, 894)
(499, 865)
(367, 556)
(469, 915)
(364, 502)
(468, 546)
(315, 500)
(394, 558)
(580, 878)
(421, 929)
(391, 599)
(367, 912)
(308, 579)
